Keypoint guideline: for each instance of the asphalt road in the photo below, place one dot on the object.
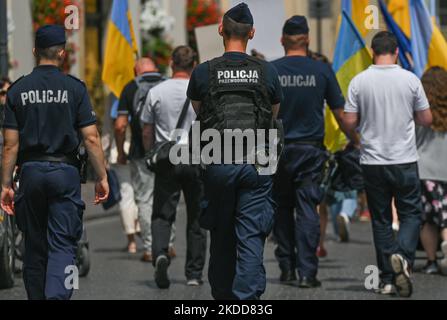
(117, 275)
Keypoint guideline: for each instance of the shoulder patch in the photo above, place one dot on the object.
(15, 82)
(77, 79)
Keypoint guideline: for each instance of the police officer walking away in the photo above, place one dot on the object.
(306, 84)
(46, 113)
(236, 92)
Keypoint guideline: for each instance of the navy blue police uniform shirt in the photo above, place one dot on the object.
(48, 108)
(307, 84)
(199, 83)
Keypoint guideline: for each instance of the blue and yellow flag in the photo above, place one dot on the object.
(121, 49)
(351, 58)
(356, 11)
(429, 47)
(400, 11)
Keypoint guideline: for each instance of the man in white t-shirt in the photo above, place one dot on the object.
(160, 116)
(385, 102)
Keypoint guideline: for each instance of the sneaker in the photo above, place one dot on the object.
(365, 216)
(443, 263)
(386, 289)
(194, 282)
(431, 268)
(161, 272)
(343, 227)
(321, 252)
(403, 283)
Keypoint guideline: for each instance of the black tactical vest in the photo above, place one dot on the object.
(237, 97)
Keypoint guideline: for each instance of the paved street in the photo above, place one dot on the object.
(119, 276)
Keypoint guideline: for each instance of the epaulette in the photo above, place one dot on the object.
(15, 82)
(77, 79)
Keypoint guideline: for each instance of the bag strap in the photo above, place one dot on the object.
(182, 118)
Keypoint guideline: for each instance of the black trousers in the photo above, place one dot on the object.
(401, 182)
(167, 185)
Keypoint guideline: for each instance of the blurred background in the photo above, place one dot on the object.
(160, 25)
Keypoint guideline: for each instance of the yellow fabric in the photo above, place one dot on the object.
(437, 54)
(335, 140)
(119, 60)
(359, 16)
(400, 11)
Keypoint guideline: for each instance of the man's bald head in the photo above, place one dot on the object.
(145, 65)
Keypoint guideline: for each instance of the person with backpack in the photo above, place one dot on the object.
(130, 107)
(235, 93)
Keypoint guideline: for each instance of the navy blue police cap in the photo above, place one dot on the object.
(50, 36)
(295, 26)
(241, 14)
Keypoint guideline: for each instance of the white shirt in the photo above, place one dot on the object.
(163, 107)
(386, 98)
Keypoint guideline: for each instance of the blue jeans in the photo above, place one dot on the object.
(347, 204)
(297, 188)
(383, 183)
(239, 214)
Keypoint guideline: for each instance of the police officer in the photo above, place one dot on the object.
(231, 92)
(47, 113)
(306, 84)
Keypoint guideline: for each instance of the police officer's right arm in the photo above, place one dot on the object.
(10, 152)
(11, 145)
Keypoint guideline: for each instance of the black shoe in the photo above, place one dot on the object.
(431, 268)
(309, 283)
(161, 272)
(287, 276)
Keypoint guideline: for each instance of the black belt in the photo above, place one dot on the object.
(35, 157)
(314, 143)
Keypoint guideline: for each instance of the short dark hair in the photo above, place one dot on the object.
(384, 43)
(50, 53)
(295, 42)
(184, 58)
(233, 29)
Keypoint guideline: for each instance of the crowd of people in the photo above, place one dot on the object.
(401, 208)
(396, 126)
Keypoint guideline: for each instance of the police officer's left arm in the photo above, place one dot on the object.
(336, 101)
(10, 152)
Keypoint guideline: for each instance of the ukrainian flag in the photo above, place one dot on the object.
(429, 47)
(351, 58)
(356, 10)
(400, 11)
(121, 48)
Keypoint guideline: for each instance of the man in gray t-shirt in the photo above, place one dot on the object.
(385, 102)
(162, 111)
